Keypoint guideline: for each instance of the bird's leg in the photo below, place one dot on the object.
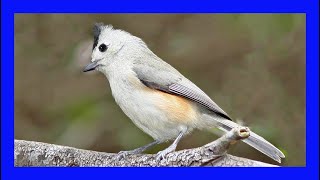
(123, 154)
(171, 148)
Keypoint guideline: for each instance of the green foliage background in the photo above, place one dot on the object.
(252, 65)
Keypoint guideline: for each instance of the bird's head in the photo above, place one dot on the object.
(111, 45)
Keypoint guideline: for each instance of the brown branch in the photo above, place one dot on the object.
(29, 153)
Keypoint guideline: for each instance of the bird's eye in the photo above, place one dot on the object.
(103, 48)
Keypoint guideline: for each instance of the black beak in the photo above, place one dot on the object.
(91, 66)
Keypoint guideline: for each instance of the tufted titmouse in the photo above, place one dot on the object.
(155, 96)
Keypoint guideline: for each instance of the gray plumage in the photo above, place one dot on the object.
(255, 141)
(155, 96)
(170, 81)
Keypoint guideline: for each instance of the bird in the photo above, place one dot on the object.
(155, 96)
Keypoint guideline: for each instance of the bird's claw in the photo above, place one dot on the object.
(162, 154)
(123, 154)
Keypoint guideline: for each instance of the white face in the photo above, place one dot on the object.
(112, 45)
(107, 44)
(107, 48)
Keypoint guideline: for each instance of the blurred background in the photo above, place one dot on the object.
(252, 65)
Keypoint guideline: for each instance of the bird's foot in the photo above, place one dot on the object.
(162, 154)
(124, 154)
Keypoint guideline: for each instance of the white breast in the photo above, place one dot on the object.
(158, 114)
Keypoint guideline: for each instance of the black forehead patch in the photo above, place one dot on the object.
(96, 33)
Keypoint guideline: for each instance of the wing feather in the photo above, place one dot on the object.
(197, 97)
(169, 80)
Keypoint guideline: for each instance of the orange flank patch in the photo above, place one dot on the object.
(177, 108)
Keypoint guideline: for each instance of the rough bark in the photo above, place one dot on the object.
(29, 153)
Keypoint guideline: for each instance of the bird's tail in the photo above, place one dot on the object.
(255, 141)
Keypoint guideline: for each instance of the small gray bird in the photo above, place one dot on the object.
(155, 96)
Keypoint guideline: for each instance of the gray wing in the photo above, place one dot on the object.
(161, 76)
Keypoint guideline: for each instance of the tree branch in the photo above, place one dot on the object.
(29, 153)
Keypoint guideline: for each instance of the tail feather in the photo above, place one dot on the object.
(255, 141)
